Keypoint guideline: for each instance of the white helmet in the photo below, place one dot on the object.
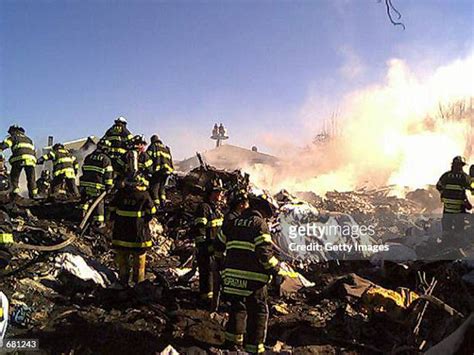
(121, 119)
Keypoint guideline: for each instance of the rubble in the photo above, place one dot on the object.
(325, 309)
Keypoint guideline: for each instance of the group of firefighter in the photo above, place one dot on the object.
(234, 251)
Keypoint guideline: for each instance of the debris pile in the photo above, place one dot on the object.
(69, 298)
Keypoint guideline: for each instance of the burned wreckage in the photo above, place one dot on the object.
(412, 297)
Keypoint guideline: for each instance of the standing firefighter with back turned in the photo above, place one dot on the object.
(162, 168)
(132, 209)
(23, 157)
(119, 136)
(452, 186)
(248, 268)
(65, 167)
(207, 225)
(97, 177)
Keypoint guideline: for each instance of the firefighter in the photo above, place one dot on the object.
(65, 167)
(239, 202)
(248, 268)
(162, 169)
(119, 137)
(452, 186)
(23, 157)
(207, 224)
(132, 209)
(6, 239)
(97, 177)
(44, 183)
(137, 160)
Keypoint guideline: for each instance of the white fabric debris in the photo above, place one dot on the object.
(169, 350)
(328, 230)
(78, 266)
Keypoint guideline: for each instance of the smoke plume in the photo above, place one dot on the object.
(403, 132)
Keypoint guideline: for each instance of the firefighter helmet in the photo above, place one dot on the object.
(238, 196)
(139, 139)
(104, 144)
(214, 186)
(155, 138)
(121, 120)
(58, 146)
(459, 160)
(263, 203)
(15, 128)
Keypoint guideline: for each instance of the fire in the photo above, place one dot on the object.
(404, 132)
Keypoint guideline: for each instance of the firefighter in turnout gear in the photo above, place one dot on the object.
(119, 136)
(44, 184)
(23, 157)
(65, 167)
(132, 209)
(452, 186)
(239, 202)
(207, 225)
(248, 268)
(162, 168)
(6, 239)
(97, 177)
(137, 160)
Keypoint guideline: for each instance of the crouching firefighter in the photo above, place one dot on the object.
(6, 239)
(162, 169)
(207, 225)
(132, 209)
(44, 184)
(97, 177)
(248, 268)
(23, 157)
(65, 167)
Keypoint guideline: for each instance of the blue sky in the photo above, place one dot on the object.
(68, 68)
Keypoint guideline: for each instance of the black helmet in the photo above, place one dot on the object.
(139, 139)
(263, 203)
(459, 160)
(104, 144)
(15, 128)
(238, 196)
(58, 146)
(121, 120)
(155, 138)
(214, 186)
(136, 180)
